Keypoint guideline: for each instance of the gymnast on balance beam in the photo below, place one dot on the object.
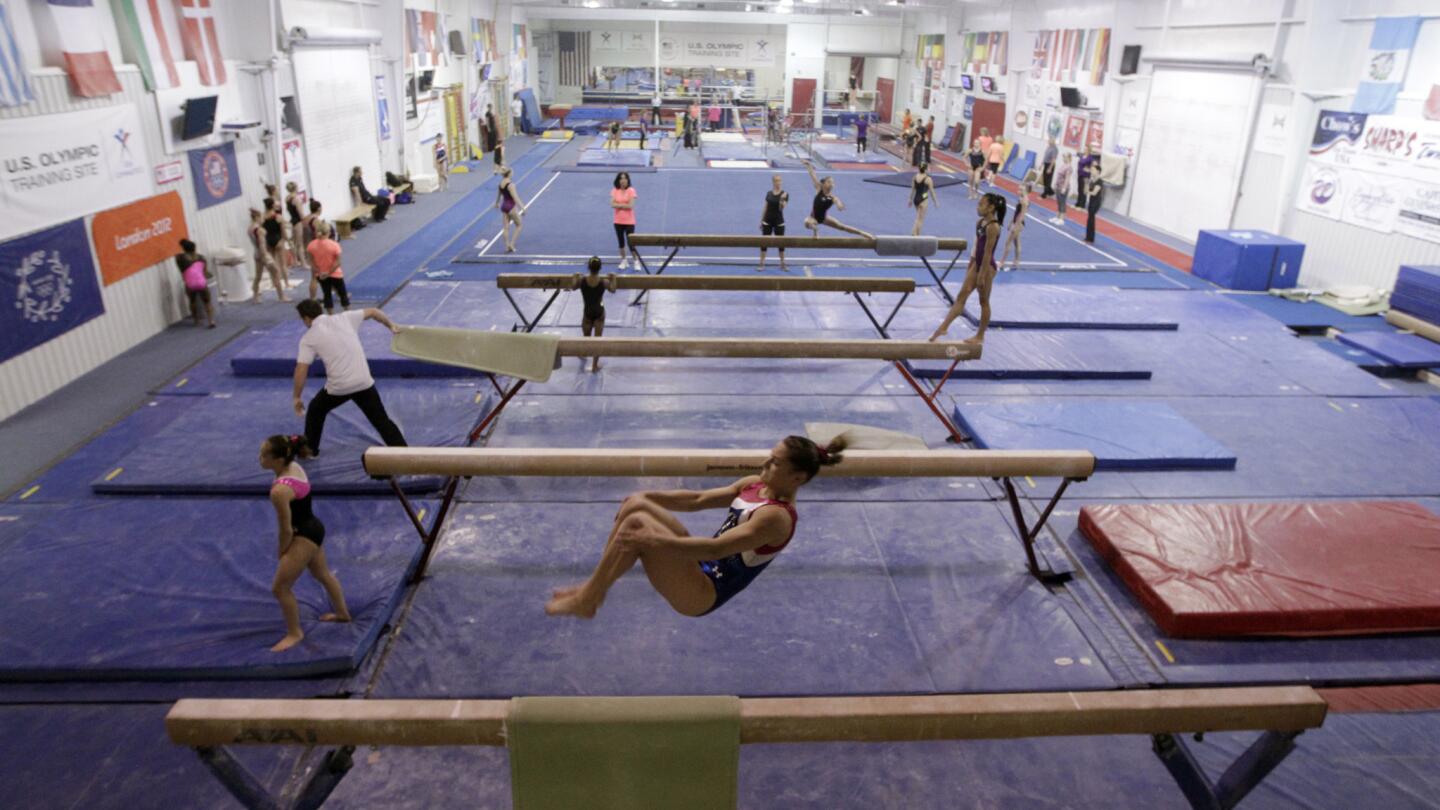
(820, 209)
(697, 575)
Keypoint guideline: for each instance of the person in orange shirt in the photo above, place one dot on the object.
(325, 262)
(622, 199)
(994, 158)
(906, 120)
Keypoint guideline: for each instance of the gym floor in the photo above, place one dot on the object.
(140, 567)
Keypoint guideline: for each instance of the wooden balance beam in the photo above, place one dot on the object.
(468, 462)
(777, 348)
(564, 281)
(1282, 712)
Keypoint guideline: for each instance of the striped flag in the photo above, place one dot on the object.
(14, 81)
(574, 53)
(142, 23)
(87, 60)
(202, 43)
(422, 37)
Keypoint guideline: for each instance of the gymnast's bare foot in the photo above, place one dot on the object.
(335, 617)
(936, 336)
(974, 341)
(571, 603)
(287, 642)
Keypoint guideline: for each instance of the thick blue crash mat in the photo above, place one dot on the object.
(1405, 351)
(619, 158)
(211, 448)
(1039, 306)
(161, 589)
(1122, 435)
(1310, 316)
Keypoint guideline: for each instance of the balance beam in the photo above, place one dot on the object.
(470, 462)
(677, 240)
(561, 281)
(778, 348)
(1282, 713)
(1409, 322)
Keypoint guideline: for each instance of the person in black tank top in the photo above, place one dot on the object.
(301, 535)
(820, 210)
(592, 289)
(695, 575)
(772, 219)
(980, 274)
(922, 191)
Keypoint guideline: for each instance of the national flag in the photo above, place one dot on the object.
(422, 37)
(14, 80)
(574, 50)
(202, 43)
(77, 25)
(1383, 72)
(1102, 57)
(142, 23)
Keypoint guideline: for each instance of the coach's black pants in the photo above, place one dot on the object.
(370, 404)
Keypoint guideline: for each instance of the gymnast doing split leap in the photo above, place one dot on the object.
(697, 575)
(820, 210)
(980, 275)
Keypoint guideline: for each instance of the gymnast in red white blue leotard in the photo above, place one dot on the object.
(697, 575)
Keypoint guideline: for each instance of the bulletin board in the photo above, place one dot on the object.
(337, 113)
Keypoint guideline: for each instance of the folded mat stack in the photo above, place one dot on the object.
(1417, 292)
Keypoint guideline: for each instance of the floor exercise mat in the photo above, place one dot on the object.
(905, 179)
(1035, 306)
(1242, 569)
(873, 603)
(620, 159)
(160, 589)
(211, 447)
(844, 151)
(1405, 351)
(1035, 355)
(1122, 435)
(1310, 316)
(1335, 660)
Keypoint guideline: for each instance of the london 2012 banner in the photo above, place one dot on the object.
(55, 167)
(47, 287)
(1380, 172)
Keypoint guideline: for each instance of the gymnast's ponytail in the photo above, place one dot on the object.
(808, 457)
(289, 447)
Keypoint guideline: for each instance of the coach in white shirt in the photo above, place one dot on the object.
(335, 339)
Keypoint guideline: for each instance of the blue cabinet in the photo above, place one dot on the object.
(1248, 260)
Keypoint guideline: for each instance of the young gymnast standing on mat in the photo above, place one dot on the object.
(301, 534)
(980, 275)
(622, 199)
(1017, 224)
(697, 575)
(507, 199)
(820, 210)
(922, 190)
(593, 288)
(772, 219)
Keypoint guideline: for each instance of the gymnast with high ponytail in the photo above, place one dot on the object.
(697, 575)
(301, 534)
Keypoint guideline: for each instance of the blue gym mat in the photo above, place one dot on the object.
(1019, 164)
(620, 158)
(599, 113)
(1297, 362)
(1122, 435)
(1036, 355)
(905, 179)
(1359, 357)
(1405, 351)
(1121, 279)
(1204, 662)
(844, 152)
(158, 589)
(1036, 306)
(1310, 316)
(211, 447)
(476, 629)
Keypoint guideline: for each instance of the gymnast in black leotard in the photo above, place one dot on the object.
(922, 191)
(593, 288)
(507, 199)
(820, 210)
(772, 219)
(980, 275)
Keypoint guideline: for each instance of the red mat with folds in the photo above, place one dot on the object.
(1234, 569)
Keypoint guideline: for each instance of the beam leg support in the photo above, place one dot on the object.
(939, 282)
(956, 435)
(1027, 534)
(238, 779)
(640, 296)
(881, 328)
(326, 778)
(531, 323)
(1238, 780)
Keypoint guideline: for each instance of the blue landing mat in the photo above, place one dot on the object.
(1200, 662)
(210, 448)
(621, 159)
(871, 607)
(844, 152)
(1310, 316)
(1405, 351)
(1304, 367)
(711, 421)
(158, 589)
(1035, 306)
(1034, 355)
(1123, 279)
(1122, 435)
(1359, 357)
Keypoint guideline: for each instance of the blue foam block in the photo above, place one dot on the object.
(618, 158)
(211, 447)
(1311, 315)
(1122, 435)
(1036, 306)
(153, 589)
(895, 600)
(1405, 351)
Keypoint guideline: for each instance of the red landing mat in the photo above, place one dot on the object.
(1325, 568)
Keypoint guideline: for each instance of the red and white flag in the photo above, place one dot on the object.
(142, 22)
(87, 60)
(202, 44)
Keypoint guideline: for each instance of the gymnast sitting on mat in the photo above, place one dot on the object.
(697, 575)
(301, 534)
(980, 275)
(824, 198)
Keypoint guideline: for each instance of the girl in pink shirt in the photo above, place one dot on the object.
(622, 199)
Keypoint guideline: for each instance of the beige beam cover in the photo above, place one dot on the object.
(782, 348)
(528, 461)
(550, 281)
